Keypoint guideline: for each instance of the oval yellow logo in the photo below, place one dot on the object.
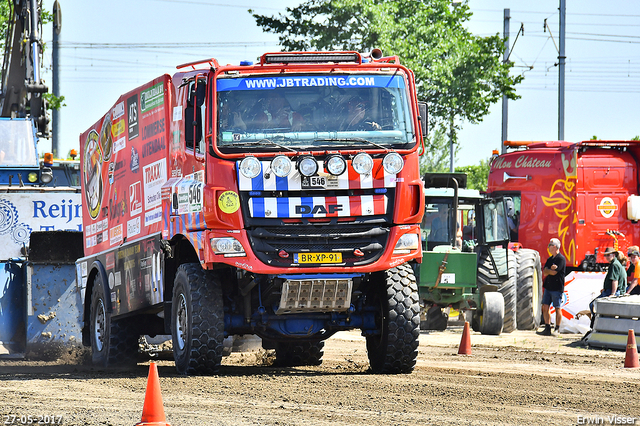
(229, 202)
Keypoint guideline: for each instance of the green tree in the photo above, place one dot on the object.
(459, 74)
(435, 158)
(477, 176)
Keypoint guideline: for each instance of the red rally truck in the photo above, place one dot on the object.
(585, 194)
(281, 199)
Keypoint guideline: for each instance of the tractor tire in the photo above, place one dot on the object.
(395, 348)
(197, 321)
(436, 319)
(506, 285)
(529, 289)
(491, 318)
(113, 342)
(298, 354)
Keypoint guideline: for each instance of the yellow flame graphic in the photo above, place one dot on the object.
(561, 199)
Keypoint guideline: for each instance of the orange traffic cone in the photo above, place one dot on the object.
(465, 342)
(152, 411)
(631, 357)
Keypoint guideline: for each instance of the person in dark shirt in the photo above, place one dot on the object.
(633, 272)
(553, 284)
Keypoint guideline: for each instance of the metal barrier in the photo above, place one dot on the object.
(614, 317)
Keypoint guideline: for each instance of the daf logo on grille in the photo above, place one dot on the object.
(331, 208)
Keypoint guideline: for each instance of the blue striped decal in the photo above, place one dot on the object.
(282, 183)
(257, 183)
(283, 207)
(258, 207)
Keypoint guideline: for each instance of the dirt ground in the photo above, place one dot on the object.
(513, 379)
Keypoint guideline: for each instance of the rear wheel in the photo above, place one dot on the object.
(436, 319)
(295, 354)
(395, 348)
(491, 317)
(113, 342)
(529, 289)
(197, 320)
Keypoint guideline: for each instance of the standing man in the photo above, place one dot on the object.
(615, 282)
(553, 284)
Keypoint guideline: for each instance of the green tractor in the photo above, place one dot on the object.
(467, 265)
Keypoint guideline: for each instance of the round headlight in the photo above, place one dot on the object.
(33, 177)
(250, 167)
(362, 163)
(308, 166)
(281, 166)
(392, 163)
(336, 165)
(46, 175)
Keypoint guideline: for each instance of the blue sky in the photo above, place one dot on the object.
(109, 48)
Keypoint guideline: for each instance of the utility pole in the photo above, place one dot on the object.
(561, 58)
(505, 105)
(55, 125)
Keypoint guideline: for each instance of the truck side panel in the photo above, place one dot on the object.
(125, 165)
(134, 274)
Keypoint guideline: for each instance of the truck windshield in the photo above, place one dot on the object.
(17, 144)
(307, 111)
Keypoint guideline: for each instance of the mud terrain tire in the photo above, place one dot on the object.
(113, 342)
(297, 354)
(395, 349)
(197, 321)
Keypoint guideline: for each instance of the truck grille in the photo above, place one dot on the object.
(271, 243)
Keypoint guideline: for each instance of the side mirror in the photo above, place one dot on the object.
(423, 117)
(174, 201)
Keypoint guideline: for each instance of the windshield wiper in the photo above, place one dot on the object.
(262, 142)
(353, 140)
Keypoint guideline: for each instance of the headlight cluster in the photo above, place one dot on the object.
(228, 246)
(307, 165)
(406, 243)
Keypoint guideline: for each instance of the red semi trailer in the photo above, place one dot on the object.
(585, 194)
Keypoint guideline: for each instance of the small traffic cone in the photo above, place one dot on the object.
(465, 342)
(152, 411)
(631, 357)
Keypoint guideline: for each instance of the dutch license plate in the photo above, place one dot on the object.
(317, 258)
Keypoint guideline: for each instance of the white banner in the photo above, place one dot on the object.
(580, 288)
(24, 212)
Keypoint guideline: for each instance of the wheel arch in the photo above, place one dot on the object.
(182, 251)
(96, 269)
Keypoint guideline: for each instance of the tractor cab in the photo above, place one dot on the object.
(465, 238)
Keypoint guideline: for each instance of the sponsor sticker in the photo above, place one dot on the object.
(154, 175)
(607, 207)
(116, 235)
(153, 216)
(133, 226)
(229, 202)
(152, 97)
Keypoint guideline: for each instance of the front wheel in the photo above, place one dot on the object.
(395, 348)
(197, 320)
(491, 313)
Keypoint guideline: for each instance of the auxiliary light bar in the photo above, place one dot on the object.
(309, 58)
